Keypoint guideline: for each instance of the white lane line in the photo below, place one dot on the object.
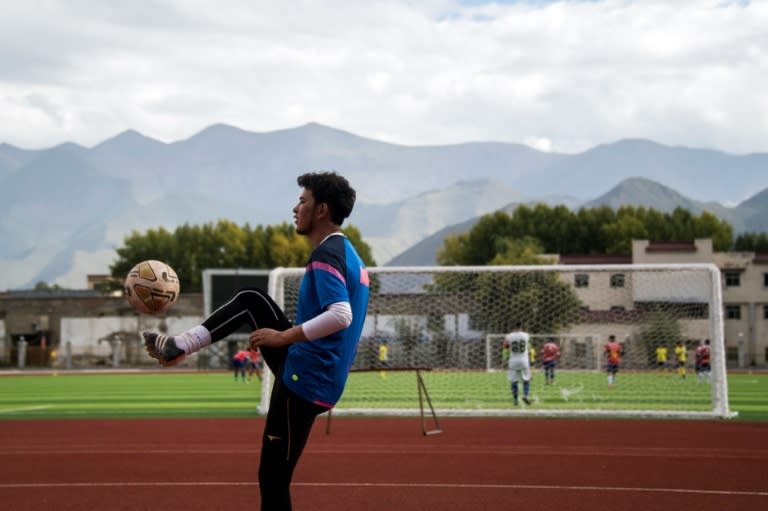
(141, 450)
(537, 487)
(25, 408)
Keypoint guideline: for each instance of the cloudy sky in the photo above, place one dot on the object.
(557, 75)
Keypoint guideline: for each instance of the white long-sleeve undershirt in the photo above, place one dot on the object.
(336, 317)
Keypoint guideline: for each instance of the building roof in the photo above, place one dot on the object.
(671, 246)
(595, 259)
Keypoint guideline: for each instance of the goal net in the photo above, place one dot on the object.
(445, 326)
(574, 350)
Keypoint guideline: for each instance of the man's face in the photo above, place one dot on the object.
(304, 213)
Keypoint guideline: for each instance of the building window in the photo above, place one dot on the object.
(581, 280)
(617, 280)
(732, 279)
(765, 279)
(733, 312)
(765, 311)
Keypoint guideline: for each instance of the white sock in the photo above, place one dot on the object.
(193, 339)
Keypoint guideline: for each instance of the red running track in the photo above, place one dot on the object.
(387, 464)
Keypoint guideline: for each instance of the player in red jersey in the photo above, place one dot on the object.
(614, 351)
(255, 364)
(239, 361)
(550, 352)
(703, 365)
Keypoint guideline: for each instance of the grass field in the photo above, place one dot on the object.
(172, 394)
(178, 394)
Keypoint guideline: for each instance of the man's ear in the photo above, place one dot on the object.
(322, 209)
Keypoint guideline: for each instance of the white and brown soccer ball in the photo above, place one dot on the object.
(152, 287)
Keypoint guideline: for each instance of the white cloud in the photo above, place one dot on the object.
(541, 143)
(562, 75)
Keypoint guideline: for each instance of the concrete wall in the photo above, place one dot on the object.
(89, 341)
(82, 319)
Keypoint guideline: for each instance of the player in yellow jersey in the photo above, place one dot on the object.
(680, 357)
(661, 359)
(383, 358)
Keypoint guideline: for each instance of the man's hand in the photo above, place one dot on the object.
(267, 337)
(275, 338)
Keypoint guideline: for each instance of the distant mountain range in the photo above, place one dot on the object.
(64, 210)
(749, 216)
(702, 174)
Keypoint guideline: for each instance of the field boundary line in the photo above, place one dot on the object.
(25, 408)
(485, 486)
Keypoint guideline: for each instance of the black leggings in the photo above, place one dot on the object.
(290, 418)
(289, 422)
(254, 307)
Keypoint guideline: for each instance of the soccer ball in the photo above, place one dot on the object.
(152, 287)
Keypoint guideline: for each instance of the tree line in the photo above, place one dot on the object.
(519, 237)
(190, 249)
(522, 236)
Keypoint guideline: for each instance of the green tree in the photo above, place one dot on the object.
(681, 221)
(751, 242)
(658, 225)
(190, 249)
(363, 249)
(285, 247)
(708, 225)
(589, 232)
(44, 286)
(557, 230)
(618, 235)
(525, 251)
(540, 300)
(492, 239)
(553, 227)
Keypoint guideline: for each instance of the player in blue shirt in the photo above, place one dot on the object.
(311, 359)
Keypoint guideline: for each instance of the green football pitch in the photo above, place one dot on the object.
(215, 394)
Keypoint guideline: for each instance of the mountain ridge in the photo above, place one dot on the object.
(65, 208)
(630, 192)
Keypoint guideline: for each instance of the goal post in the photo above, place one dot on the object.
(452, 320)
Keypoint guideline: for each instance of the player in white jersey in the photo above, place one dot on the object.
(518, 344)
